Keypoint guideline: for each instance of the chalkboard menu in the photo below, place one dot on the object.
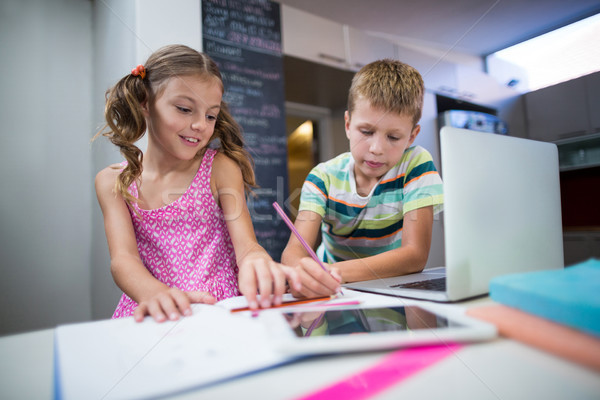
(244, 39)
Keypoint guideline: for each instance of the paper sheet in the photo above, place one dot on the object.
(122, 359)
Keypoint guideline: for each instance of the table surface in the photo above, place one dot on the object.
(497, 369)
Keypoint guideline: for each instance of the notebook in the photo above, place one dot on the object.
(502, 215)
(568, 296)
(123, 359)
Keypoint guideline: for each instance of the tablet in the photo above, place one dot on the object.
(363, 328)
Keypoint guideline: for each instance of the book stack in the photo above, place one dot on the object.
(556, 310)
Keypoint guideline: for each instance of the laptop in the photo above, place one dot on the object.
(501, 216)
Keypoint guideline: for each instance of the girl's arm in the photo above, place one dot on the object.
(154, 298)
(315, 281)
(257, 270)
(409, 258)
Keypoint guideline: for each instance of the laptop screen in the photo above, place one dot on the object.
(501, 207)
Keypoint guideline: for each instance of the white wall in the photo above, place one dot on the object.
(160, 22)
(113, 57)
(45, 205)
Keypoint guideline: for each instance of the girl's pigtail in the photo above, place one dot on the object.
(232, 144)
(126, 123)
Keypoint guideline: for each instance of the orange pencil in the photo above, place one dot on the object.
(288, 303)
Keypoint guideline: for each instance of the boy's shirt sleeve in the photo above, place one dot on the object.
(315, 192)
(422, 185)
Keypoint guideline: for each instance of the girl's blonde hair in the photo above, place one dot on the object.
(126, 123)
(389, 85)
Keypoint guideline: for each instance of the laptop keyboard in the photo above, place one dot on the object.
(437, 284)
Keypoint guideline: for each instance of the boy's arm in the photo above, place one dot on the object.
(308, 225)
(315, 281)
(409, 258)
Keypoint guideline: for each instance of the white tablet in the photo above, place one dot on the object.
(360, 328)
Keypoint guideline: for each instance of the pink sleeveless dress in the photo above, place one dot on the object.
(186, 244)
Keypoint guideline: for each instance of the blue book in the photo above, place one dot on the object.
(570, 296)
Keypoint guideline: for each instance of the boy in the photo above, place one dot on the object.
(375, 204)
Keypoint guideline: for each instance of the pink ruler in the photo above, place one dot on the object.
(391, 370)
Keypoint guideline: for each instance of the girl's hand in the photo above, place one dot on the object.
(258, 273)
(316, 281)
(171, 304)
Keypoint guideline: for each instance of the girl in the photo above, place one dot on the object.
(176, 219)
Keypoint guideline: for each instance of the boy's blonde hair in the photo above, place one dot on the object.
(389, 85)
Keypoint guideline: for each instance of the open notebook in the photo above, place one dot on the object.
(501, 215)
(122, 359)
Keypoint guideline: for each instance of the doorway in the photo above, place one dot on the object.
(308, 144)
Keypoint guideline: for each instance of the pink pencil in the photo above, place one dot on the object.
(302, 241)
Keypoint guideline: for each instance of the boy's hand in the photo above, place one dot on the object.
(170, 304)
(260, 274)
(316, 281)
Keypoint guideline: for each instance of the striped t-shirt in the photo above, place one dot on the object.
(357, 226)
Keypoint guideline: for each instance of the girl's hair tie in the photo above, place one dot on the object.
(139, 70)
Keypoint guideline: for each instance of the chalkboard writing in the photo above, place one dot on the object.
(244, 39)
